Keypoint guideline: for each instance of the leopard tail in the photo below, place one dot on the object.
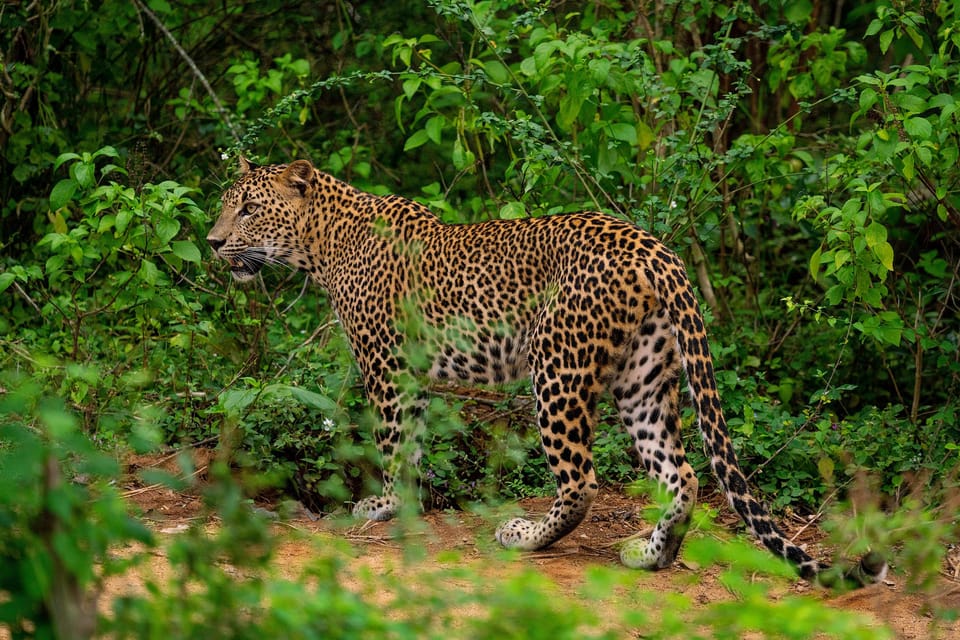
(677, 294)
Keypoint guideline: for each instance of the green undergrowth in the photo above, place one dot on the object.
(802, 158)
(69, 534)
(336, 595)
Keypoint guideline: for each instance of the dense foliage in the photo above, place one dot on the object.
(802, 155)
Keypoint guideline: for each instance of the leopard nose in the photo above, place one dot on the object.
(215, 243)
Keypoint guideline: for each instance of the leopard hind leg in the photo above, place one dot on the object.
(646, 391)
(567, 385)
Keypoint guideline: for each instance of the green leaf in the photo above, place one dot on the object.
(148, 273)
(915, 36)
(166, 229)
(868, 98)
(418, 139)
(542, 54)
(235, 401)
(885, 327)
(875, 234)
(579, 88)
(909, 103)
(815, 262)
(186, 250)
(835, 294)
(885, 39)
(434, 128)
(124, 216)
(798, 11)
(274, 81)
(826, 467)
(496, 71)
(600, 70)
(83, 173)
(623, 131)
(528, 67)
(802, 86)
(300, 67)
(108, 151)
(313, 400)
(569, 110)
(6, 279)
(884, 253)
(876, 203)
(645, 136)
(410, 86)
(909, 170)
(62, 193)
(63, 157)
(918, 127)
(513, 210)
(59, 422)
(462, 157)
(107, 220)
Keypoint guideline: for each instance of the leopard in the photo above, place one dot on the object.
(587, 306)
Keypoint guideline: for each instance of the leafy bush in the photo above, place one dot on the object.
(61, 517)
(803, 164)
(65, 521)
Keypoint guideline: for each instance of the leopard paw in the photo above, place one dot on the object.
(377, 508)
(639, 554)
(518, 533)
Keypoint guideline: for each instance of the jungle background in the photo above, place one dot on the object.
(801, 155)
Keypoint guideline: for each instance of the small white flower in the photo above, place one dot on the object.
(328, 424)
(673, 204)
(224, 156)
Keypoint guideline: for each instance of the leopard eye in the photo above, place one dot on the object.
(249, 209)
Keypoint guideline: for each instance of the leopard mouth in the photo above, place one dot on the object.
(247, 264)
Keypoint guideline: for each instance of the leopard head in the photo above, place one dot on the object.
(258, 222)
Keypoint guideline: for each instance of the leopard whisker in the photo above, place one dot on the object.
(259, 257)
(284, 257)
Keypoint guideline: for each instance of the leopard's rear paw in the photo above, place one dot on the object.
(639, 554)
(518, 533)
(378, 508)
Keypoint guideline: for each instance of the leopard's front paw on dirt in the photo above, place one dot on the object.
(638, 554)
(518, 533)
(377, 508)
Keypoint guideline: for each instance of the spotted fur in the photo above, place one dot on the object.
(581, 303)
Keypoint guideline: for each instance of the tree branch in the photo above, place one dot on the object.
(193, 67)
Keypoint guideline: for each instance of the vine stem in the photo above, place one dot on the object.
(818, 410)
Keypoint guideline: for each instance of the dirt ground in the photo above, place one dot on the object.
(612, 518)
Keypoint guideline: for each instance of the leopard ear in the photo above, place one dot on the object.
(246, 166)
(298, 175)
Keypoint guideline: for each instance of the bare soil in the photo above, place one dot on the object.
(468, 537)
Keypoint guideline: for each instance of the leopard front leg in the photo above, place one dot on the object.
(386, 505)
(566, 409)
(400, 458)
(398, 439)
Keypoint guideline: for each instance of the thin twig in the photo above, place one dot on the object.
(136, 492)
(818, 411)
(193, 67)
(549, 555)
(646, 532)
(26, 296)
(303, 290)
